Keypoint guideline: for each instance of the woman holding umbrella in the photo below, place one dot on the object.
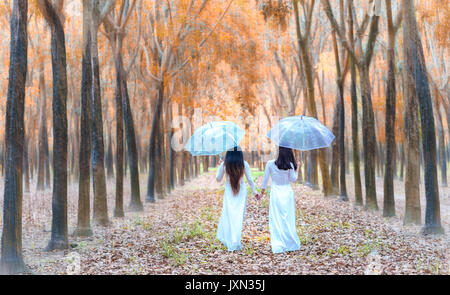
(300, 133)
(212, 139)
(283, 232)
(234, 199)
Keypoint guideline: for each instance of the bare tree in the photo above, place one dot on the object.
(53, 14)
(98, 10)
(115, 31)
(12, 260)
(304, 43)
(416, 77)
(362, 61)
(84, 204)
(393, 26)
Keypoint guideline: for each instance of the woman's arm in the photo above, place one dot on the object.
(293, 174)
(266, 176)
(220, 172)
(249, 178)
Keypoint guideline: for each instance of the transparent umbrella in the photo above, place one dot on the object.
(214, 138)
(301, 133)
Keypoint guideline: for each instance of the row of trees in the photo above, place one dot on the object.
(353, 33)
(164, 60)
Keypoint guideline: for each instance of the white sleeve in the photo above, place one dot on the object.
(249, 178)
(293, 174)
(266, 176)
(220, 172)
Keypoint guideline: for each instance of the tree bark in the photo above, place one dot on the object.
(26, 167)
(84, 204)
(43, 138)
(355, 135)
(342, 184)
(159, 158)
(11, 251)
(135, 202)
(97, 143)
(412, 153)
(389, 201)
(340, 114)
(118, 209)
(335, 150)
(320, 155)
(116, 33)
(109, 156)
(363, 64)
(416, 69)
(153, 151)
(369, 140)
(59, 231)
(442, 153)
(171, 151)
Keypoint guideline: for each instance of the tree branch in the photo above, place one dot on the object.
(205, 39)
(106, 9)
(335, 26)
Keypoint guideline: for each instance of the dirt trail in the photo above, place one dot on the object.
(176, 235)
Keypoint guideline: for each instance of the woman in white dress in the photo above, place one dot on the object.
(234, 199)
(282, 223)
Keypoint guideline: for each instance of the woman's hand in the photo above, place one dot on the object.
(220, 161)
(260, 195)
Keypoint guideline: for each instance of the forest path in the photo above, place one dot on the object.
(176, 235)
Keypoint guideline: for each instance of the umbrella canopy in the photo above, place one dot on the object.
(301, 133)
(214, 138)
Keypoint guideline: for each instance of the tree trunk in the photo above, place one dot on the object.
(442, 156)
(118, 209)
(335, 150)
(59, 232)
(412, 157)
(343, 185)
(197, 166)
(416, 69)
(205, 164)
(109, 157)
(315, 155)
(47, 161)
(25, 164)
(340, 115)
(180, 167)
(171, 151)
(158, 160)
(402, 161)
(355, 136)
(12, 260)
(84, 204)
(98, 147)
(135, 202)
(306, 159)
(389, 201)
(153, 153)
(42, 130)
(43, 169)
(369, 140)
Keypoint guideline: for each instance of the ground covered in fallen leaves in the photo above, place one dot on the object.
(176, 235)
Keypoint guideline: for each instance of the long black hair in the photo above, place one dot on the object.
(234, 166)
(285, 158)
